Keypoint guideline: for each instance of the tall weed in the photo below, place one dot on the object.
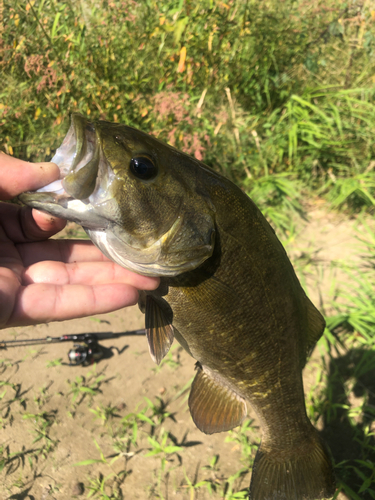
(254, 89)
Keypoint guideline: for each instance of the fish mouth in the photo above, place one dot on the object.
(78, 151)
(73, 195)
(78, 159)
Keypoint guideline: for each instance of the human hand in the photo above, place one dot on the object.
(52, 280)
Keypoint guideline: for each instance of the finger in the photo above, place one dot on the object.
(17, 176)
(20, 226)
(9, 285)
(48, 223)
(88, 273)
(67, 251)
(42, 303)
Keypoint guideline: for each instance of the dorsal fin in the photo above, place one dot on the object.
(316, 324)
(213, 406)
(158, 330)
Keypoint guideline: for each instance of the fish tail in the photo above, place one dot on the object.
(304, 474)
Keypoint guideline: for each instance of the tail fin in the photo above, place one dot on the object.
(307, 474)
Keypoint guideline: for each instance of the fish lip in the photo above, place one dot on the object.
(81, 133)
(55, 198)
(81, 179)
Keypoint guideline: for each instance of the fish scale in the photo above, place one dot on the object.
(228, 292)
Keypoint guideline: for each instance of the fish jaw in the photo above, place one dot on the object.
(156, 262)
(65, 207)
(79, 148)
(88, 194)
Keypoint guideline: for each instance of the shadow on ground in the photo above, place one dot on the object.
(348, 431)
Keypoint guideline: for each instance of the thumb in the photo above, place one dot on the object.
(17, 176)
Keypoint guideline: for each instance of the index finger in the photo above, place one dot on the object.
(17, 176)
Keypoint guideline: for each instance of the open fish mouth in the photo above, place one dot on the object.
(78, 160)
(77, 194)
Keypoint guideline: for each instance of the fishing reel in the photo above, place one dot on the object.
(86, 353)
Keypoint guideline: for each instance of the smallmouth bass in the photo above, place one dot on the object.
(228, 291)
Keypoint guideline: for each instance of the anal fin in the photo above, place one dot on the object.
(213, 406)
(158, 330)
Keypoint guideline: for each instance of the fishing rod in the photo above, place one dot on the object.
(86, 349)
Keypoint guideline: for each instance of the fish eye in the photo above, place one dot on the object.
(143, 168)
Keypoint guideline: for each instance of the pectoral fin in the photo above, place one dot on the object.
(158, 329)
(214, 407)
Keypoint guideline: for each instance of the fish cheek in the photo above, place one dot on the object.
(146, 212)
(196, 236)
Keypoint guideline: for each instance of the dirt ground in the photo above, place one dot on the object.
(43, 386)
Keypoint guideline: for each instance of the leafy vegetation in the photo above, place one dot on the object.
(278, 96)
(255, 90)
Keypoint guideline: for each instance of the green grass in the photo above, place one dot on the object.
(83, 387)
(272, 88)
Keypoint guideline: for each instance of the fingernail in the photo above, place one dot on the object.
(48, 222)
